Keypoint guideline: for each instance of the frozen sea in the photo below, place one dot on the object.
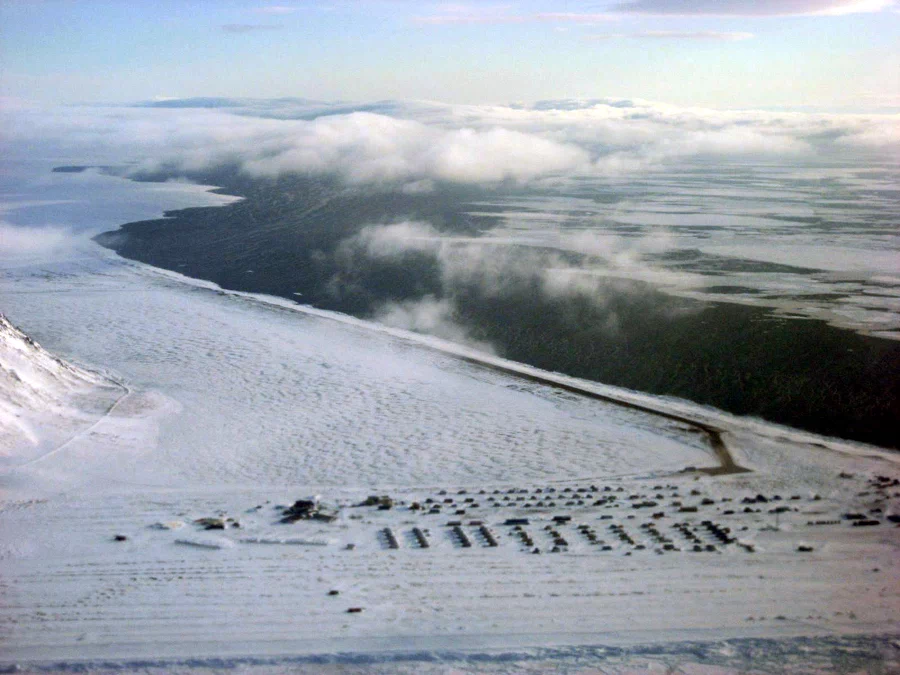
(817, 239)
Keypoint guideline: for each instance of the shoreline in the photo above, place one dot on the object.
(697, 372)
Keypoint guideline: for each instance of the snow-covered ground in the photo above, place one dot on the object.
(187, 402)
(43, 400)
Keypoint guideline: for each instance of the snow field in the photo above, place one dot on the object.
(235, 406)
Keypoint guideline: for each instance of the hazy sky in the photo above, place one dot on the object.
(823, 54)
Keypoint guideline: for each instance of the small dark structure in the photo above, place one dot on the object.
(210, 523)
(384, 502)
(307, 509)
(390, 539)
(421, 538)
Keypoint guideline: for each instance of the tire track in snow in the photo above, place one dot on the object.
(714, 435)
(82, 434)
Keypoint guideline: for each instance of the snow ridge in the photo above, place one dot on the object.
(42, 398)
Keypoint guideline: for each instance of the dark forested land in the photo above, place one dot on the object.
(70, 169)
(294, 235)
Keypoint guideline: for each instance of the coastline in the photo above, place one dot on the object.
(744, 340)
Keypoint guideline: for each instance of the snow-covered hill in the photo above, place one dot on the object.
(43, 399)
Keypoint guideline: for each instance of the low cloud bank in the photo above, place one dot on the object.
(366, 148)
(588, 268)
(431, 316)
(18, 240)
(416, 144)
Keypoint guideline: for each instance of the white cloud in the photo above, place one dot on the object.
(369, 148)
(18, 240)
(469, 14)
(463, 19)
(413, 145)
(495, 265)
(249, 27)
(419, 187)
(431, 316)
(383, 241)
(500, 14)
(497, 154)
(275, 9)
(750, 7)
(575, 17)
(723, 36)
(874, 138)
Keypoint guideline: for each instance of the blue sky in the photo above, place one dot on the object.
(814, 54)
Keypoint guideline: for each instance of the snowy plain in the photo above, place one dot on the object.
(187, 402)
